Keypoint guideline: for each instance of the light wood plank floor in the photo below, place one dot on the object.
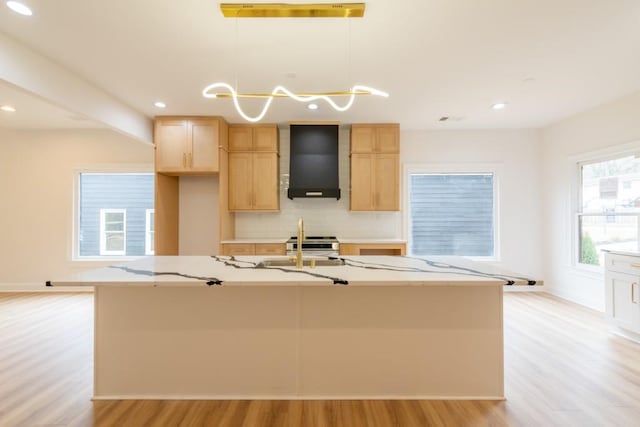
(562, 369)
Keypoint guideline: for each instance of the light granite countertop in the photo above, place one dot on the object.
(370, 241)
(187, 271)
(340, 239)
(239, 241)
(628, 253)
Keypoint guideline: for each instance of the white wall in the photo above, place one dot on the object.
(38, 181)
(609, 125)
(516, 152)
(199, 215)
(36, 192)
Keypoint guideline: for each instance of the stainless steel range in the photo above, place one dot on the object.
(314, 246)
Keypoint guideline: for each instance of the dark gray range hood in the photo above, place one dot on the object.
(313, 162)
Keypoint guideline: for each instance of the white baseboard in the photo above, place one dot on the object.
(292, 397)
(40, 287)
(524, 288)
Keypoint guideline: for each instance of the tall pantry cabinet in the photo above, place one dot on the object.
(188, 147)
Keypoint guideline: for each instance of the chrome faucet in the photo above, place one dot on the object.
(299, 247)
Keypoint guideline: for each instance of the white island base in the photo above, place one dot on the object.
(299, 342)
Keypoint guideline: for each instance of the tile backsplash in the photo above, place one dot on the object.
(321, 216)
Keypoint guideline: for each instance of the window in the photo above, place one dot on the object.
(113, 215)
(113, 233)
(608, 208)
(452, 214)
(150, 232)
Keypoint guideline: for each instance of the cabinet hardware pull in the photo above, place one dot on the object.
(190, 159)
(184, 160)
(633, 297)
(635, 265)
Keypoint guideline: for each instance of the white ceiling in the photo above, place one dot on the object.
(35, 113)
(548, 59)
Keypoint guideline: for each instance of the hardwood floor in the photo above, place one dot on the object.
(562, 369)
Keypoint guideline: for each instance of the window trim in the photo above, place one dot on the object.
(456, 168)
(106, 168)
(148, 231)
(575, 166)
(103, 231)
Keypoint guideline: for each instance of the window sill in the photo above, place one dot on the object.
(98, 260)
(587, 271)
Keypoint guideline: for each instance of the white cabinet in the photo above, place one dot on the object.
(622, 287)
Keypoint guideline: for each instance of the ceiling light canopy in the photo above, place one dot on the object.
(160, 104)
(20, 8)
(287, 10)
(8, 109)
(499, 105)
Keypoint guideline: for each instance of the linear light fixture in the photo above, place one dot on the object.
(287, 10)
(282, 92)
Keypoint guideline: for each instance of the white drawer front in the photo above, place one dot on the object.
(622, 263)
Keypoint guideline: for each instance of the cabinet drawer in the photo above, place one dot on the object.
(238, 249)
(373, 249)
(270, 249)
(622, 263)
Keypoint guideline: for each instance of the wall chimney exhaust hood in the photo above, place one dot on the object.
(313, 162)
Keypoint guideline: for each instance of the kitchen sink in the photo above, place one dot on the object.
(291, 262)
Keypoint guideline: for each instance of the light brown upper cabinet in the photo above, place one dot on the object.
(253, 168)
(187, 145)
(375, 167)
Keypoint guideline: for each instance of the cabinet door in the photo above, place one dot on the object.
(270, 249)
(265, 182)
(623, 301)
(240, 181)
(171, 139)
(387, 139)
(349, 249)
(361, 182)
(238, 249)
(240, 138)
(265, 138)
(385, 173)
(362, 139)
(204, 146)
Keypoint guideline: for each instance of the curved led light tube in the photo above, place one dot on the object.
(280, 91)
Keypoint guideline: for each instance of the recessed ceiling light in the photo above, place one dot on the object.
(8, 108)
(20, 8)
(312, 106)
(160, 104)
(499, 105)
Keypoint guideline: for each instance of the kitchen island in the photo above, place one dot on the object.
(223, 327)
